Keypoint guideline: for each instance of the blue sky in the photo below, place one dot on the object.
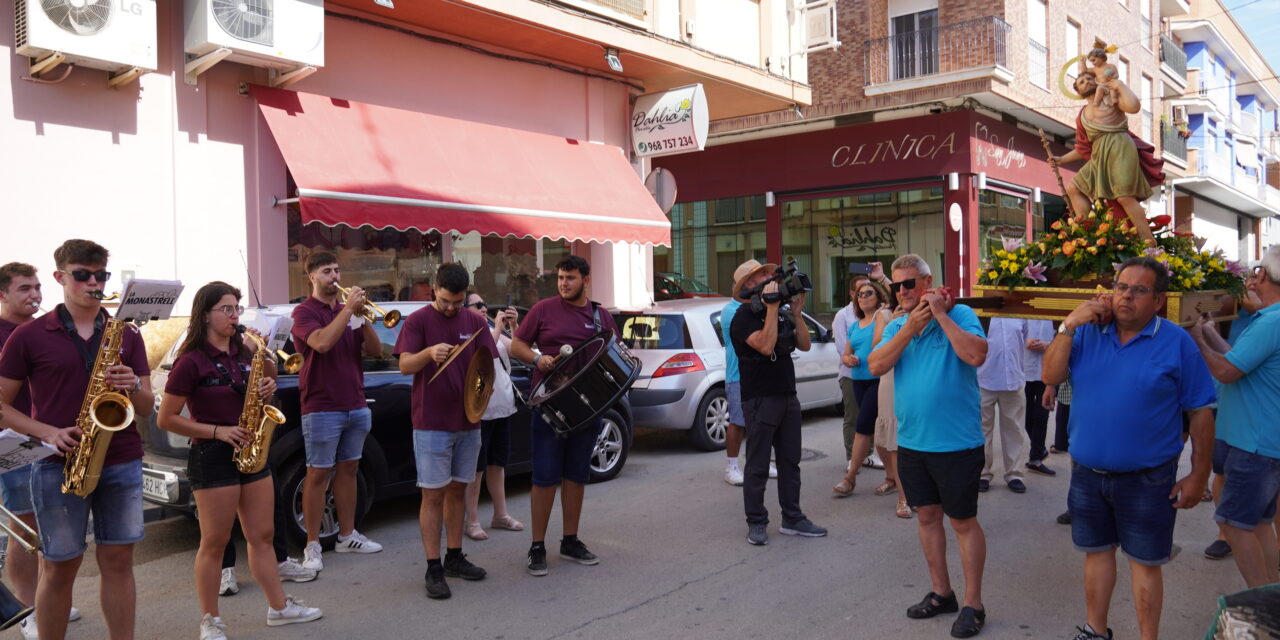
(1261, 20)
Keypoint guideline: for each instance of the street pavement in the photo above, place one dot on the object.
(675, 564)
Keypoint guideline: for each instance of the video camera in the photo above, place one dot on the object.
(791, 282)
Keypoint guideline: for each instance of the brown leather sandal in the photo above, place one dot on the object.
(844, 488)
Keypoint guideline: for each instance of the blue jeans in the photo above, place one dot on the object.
(1249, 495)
(63, 518)
(1129, 510)
(442, 456)
(16, 488)
(331, 437)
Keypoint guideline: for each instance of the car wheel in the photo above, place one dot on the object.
(711, 422)
(612, 446)
(291, 493)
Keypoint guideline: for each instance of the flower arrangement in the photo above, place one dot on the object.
(1076, 250)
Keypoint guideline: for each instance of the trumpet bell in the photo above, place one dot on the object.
(12, 611)
(391, 319)
(292, 362)
(111, 411)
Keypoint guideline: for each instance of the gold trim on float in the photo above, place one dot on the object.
(1061, 304)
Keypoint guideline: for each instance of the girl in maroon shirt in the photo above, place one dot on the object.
(209, 378)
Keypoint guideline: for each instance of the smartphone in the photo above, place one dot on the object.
(859, 267)
(508, 299)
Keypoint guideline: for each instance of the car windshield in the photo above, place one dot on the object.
(653, 331)
(688, 284)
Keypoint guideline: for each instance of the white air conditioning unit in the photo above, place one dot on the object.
(820, 25)
(277, 34)
(114, 35)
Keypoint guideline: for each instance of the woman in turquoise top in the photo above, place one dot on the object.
(872, 314)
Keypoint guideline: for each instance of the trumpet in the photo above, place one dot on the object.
(389, 318)
(291, 362)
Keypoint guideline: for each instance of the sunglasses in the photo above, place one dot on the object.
(83, 275)
(909, 283)
(869, 293)
(477, 305)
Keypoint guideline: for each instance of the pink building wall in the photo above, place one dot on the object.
(178, 180)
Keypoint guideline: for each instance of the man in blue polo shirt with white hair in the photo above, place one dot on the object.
(1248, 415)
(1133, 375)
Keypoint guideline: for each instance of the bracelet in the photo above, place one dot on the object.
(215, 432)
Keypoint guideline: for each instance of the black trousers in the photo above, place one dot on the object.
(773, 424)
(1060, 433)
(1036, 421)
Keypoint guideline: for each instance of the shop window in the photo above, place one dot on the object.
(1000, 216)
(709, 253)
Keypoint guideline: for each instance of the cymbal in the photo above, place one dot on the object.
(478, 384)
(453, 355)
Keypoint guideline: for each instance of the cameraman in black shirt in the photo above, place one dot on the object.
(764, 338)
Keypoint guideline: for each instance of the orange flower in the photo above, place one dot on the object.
(1068, 248)
(1062, 235)
(1056, 225)
(1102, 242)
(1104, 227)
(1093, 250)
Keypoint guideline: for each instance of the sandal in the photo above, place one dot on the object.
(886, 488)
(844, 488)
(506, 522)
(903, 511)
(475, 532)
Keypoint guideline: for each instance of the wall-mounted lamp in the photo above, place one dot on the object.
(980, 180)
(611, 57)
(769, 200)
(385, 3)
(1035, 194)
(953, 181)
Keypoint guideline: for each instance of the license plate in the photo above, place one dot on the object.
(155, 488)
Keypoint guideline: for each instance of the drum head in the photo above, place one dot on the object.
(478, 384)
(568, 369)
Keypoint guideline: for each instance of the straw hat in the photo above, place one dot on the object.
(746, 270)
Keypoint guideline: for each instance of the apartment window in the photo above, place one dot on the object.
(1146, 91)
(1144, 9)
(915, 44)
(1037, 43)
(1122, 67)
(1072, 47)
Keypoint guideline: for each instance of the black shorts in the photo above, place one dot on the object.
(494, 444)
(949, 479)
(209, 465)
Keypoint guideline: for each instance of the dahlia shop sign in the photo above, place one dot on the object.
(670, 122)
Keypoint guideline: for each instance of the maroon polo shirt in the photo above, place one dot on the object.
(438, 406)
(332, 381)
(210, 392)
(44, 354)
(22, 402)
(554, 322)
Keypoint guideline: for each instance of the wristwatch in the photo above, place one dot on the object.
(1063, 331)
(137, 385)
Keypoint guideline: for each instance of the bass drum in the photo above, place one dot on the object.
(586, 383)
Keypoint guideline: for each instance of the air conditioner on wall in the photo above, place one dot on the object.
(118, 36)
(283, 35)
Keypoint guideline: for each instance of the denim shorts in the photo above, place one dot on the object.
(556, 458)
(1249, 496)
(63, 518)
(733, 390)
(1220, 447)
(16, 487)
(331, 437)
(442, 456)
(1131, 510)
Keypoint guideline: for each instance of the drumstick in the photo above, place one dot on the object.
(565, 351)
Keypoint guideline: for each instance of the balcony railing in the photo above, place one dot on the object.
(1172, 142)
(1247, 122)
(1173, 56)
(973, 44)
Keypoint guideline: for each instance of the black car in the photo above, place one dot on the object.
(387, 468)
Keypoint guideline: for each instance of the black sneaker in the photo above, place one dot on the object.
(1087, 633)
(1064, 517)
(757, 535)
(1219, 550)
(984, 486)
(1040, 468)
(969, 623)
(537, 561)
(802, 528)
(460, 567)
(437, 588)
(576, 551)
(932, 605)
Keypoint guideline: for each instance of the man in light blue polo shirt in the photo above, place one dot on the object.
(1248, 419)
(1133, 374)
(733, 394)
(934, 353)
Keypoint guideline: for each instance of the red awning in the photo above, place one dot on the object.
(361, 164)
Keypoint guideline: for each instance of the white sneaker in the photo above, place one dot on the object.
(292, 571)
(74, 615)
(356, 543)
(28, 628)
(292, 612)
(228, 586)
(773, 470)
(212, 628)
(311, 557)
(873, 461)
(733, 475)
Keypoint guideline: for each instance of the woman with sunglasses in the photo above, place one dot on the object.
(208, 378)
(871, 313)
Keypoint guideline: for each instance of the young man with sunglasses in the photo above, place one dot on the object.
(934, 352)
(52, 357)
(331, 338)
(1135, 374)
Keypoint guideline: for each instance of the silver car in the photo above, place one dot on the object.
(681, 383)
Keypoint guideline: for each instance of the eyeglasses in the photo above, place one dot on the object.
(869, 293)
(229, 310)
(450, 304)
(82, 275)
(1138, 290)
(909, 283)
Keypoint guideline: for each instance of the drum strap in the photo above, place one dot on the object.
(595, 316)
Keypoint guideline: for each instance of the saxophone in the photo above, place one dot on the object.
(258, 418)
(104, 412)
